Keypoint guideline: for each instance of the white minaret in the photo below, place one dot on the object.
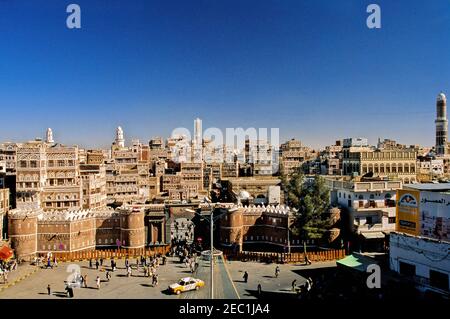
(120, 141)
(198, 131)
(49, 136)
(441, 124)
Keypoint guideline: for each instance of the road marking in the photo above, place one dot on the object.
(229, 276)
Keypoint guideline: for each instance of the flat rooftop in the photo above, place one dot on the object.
(432, 187)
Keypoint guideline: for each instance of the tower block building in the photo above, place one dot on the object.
(441, 124)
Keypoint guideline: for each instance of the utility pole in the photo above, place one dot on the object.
(212, 253)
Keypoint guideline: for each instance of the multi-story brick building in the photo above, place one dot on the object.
(292, 155)
(93, 178)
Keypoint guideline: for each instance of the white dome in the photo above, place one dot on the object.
(244, 195)
(441, 97)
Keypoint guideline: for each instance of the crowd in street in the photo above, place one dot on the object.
(147, 265)
(5, 268)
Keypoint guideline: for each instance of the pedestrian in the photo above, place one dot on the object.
(97, 264)
(164, 260)
(101, 261)
(293, 284)
(112, 264)
(277, 271)
(129, 271)
(98, 282)
(49, 290)
(156, 279)
(108, 275)
(55, 261)
(126, 263)
(307, 261)
(49, 263)
(259, 290)
(90, 263)
(245, 277)
(85, 281)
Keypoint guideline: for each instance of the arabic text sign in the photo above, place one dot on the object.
(408, 211)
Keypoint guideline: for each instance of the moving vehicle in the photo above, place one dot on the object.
(186, 284)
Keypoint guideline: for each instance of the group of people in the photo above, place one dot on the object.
(6, 268)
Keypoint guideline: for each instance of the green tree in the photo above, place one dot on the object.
(310, 197)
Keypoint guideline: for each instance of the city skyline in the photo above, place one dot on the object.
(312, 69)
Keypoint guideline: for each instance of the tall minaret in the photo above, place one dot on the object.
(198, 131)
(197, 142)
(49, 136)
(441, 124)
(120, 141)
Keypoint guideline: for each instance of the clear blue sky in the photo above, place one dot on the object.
(311, 68)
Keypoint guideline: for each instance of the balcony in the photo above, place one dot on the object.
(368, 227)
(373, 204)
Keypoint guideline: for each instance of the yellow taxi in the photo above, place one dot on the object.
(186, 284)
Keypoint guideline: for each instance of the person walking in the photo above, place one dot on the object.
(112, 264)
(101, 262)
(307, 261)
(129, 271)
(108, 275)
(98, 282)
(294, 283)
(277, 271)
(126, 263)
(85, 281)
(245, 277)
(49, 290)
(97, 264)
(259, 288)
(156, 279)
(90, 263)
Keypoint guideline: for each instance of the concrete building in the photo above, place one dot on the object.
(423, 210)
(368, 206)
(423, 260)
(397, 164)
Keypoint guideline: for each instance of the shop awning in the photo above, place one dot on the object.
(373, 235)
(356, 262)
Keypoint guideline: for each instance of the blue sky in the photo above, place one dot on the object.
(311, 68)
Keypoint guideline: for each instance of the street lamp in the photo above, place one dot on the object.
(211, 220)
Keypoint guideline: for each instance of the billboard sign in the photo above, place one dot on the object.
(408, 211)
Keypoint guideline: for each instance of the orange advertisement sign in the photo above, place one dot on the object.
(408, 202)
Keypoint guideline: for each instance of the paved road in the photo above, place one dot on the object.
(264, 274)
(227, 277)
(120, 286)
(224, 287)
